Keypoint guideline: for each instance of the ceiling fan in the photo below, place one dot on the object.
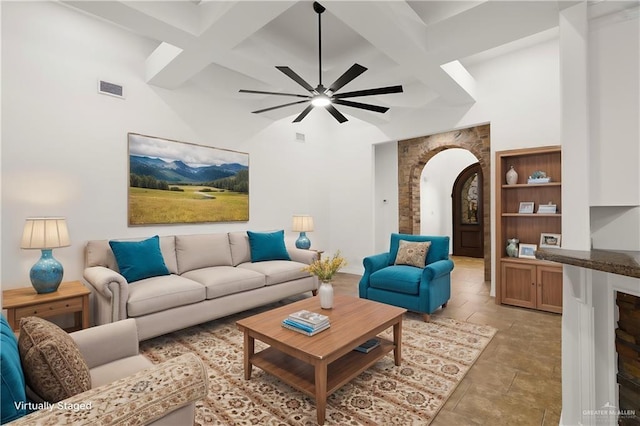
(326, 96)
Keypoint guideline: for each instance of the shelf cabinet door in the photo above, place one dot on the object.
(549, 279)
(519, 284)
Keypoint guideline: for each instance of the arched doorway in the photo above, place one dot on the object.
(436, 183)
(467, 223)
(414, 153)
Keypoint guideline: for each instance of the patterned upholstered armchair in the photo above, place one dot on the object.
(415, 274)
(39, 379)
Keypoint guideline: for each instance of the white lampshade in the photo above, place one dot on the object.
(302, 223)
(45, 233)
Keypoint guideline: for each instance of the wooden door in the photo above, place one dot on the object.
(518, 282)
(468, 228)
(550, 288)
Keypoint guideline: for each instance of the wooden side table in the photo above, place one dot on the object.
(71, 298)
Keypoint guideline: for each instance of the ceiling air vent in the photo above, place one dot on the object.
(110, 89)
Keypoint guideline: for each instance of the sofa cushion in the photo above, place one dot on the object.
(277, 271)
(202, 251)
(223, 280)
(138, 260)
(267, 246)
(240, 249)
(12, 387)
(412, 253)
(99, 253)
(53, 365)
(161, 293)
(439, 249)
(399, 279)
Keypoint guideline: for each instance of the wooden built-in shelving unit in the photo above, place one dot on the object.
(529, 283)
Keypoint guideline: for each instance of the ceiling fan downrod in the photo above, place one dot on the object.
(319, 9)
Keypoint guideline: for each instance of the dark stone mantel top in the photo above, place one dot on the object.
(613, 261)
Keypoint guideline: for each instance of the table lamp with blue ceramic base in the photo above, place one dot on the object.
(302, 224)
(45, 233)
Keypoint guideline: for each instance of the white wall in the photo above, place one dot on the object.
(386, 194)
(614, 110)
(436, 186)
(614, 131)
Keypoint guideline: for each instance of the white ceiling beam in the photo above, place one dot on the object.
(215, 44)
(132, 19)
(489, 25)
(396, 30)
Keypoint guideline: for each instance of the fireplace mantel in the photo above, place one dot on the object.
(615, 262)
(589, 360)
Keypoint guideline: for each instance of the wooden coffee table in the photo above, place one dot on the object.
(319, 365)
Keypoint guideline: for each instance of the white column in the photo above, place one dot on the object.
(578, 357)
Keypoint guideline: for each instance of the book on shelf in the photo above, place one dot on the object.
(368, 346)
(304, 330)
(312, 319)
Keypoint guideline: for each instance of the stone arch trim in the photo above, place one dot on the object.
(413, 155)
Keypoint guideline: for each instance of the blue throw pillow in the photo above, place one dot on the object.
(12, 389)
(267, 246)
(138, 260)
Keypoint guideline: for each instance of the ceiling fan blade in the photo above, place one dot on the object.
(350, 74)
(369, 92)
(260, 92)
(279, 106)
(303, 114)
(336, 114)
(295, 77)
(369, 107)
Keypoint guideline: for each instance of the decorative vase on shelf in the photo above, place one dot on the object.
(512, 176)
(326, 295)
(512, 247)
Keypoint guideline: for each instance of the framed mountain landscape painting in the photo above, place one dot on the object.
(173, 182)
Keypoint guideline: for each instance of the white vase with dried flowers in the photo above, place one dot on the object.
(325, 269)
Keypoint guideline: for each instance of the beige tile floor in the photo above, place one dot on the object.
(516, 380)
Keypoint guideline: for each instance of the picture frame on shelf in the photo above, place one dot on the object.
(527, 251)
(547, 209)
(548, 240)
(526, 207)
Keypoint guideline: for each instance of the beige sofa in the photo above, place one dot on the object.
(211, 276)
(126, 388)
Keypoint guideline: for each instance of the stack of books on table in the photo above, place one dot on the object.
(306, 322)
(368, 346)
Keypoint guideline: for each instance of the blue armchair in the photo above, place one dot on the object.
(418, 289)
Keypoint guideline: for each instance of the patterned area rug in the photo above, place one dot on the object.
(435, 358)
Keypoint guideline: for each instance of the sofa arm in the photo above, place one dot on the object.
(376, 262)
(301, 255)
(138, 399)
(107, 343)
(371, 264)
(437, 269)
(111, 287)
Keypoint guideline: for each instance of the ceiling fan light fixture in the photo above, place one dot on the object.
(320, 100)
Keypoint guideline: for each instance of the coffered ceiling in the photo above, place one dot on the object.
(224, 46)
